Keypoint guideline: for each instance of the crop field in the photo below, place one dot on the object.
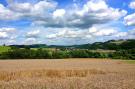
(67, 74)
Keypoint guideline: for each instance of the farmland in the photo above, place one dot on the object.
(67, 74)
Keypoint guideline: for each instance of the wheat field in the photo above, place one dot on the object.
(67, 74)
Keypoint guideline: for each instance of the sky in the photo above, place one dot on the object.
(65, 22)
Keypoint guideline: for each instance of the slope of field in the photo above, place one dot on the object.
(4, 48)
(67, 74)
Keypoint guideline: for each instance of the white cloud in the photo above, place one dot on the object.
(30, 41)
(3, 35)
(33, 34)
(6, 14)
(9, 30)
(65, 33)
(59, 13)
(93, 12)
(6, 33)
(72, 23)
(95, 6)
(92, 30)
(132, 5)
(21, 7)
(15, 11)
(130, 19)
(132, 32)
(105, 32)
(46, 12)
(121, 34)
(70, 36)
(11, 42)
(100, 10)
(87, 33)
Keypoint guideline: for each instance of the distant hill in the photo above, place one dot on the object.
(108, 45)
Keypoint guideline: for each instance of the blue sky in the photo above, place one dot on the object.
(65, 22)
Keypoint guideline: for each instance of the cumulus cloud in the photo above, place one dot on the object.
(93, 34)
(8, 30)
(16, 11)
(132, 5)
(129, 19)
(3, 35)
(74, 23)
(93, 12)
(6, 14)
(33, 34)
(30, 41)
(88, 33)
(121, 34)
(59, 13)
(20, 7)
(6, 33)
(45, 13)
(66, 33)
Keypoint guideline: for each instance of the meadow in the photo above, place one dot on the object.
(4, 48)
(67, 74)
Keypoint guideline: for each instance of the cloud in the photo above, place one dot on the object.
(129, 19)
(8, 30)
(21, 7)
(93, 12)
(3, 35)
(70, 24)
(46, 13)
(11, 42)
(59, 13)
(87, 33)
(6, 33)
(132, 5)
(105, 32)
(96, 33)
(16, 11)
(66, 33)
(33, 34)
(121, 34)
(30, 41)
(6, 14)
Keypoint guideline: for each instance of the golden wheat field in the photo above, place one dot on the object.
(67, 74)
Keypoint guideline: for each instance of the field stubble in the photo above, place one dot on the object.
(67, 74)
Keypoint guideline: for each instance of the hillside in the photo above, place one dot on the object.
(108, 45)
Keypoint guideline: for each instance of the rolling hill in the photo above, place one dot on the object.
(108, 45)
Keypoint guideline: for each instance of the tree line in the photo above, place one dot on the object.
(41, 53)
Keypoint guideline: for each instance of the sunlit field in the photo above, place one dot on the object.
(67, 74)
(4, 49)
